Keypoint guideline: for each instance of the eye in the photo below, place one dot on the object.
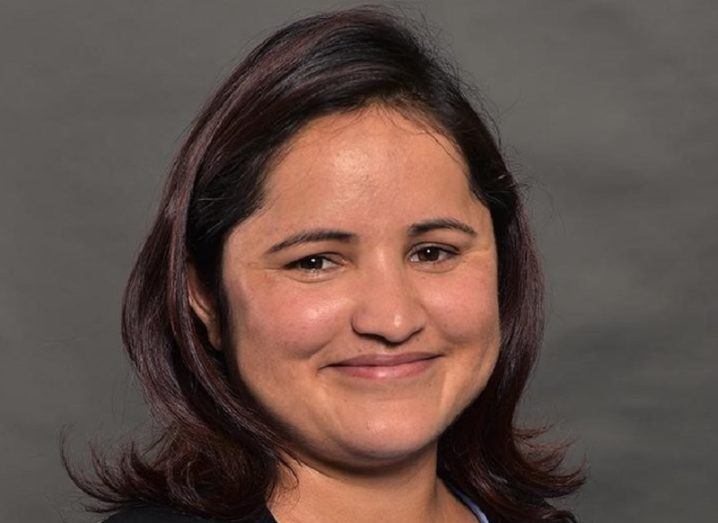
(313, 263)
(433, 254)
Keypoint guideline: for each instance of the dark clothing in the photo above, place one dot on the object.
(149, 514)
(163, 515)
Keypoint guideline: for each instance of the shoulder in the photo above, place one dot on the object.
(152, 514)
(157, 514)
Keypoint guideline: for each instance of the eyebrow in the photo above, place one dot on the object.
(415, 229)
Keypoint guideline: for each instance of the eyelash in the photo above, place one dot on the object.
(295, 264)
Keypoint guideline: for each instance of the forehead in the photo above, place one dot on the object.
(371, 156)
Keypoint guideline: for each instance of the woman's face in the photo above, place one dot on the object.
(370, 244)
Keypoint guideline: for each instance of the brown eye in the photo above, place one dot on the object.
(429, 254)
(433, 254)
(313, 263)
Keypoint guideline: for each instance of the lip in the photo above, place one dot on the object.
(385, 360)
(383, 366)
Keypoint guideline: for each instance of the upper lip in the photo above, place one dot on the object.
(385, 360)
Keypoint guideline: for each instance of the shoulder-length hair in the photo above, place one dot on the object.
(217, 453)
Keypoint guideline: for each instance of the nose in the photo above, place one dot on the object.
(387, 305)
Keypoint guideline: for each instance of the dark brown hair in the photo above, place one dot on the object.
(217, 452)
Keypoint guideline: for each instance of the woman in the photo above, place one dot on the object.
(338, 307)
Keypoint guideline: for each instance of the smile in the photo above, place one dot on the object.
(380, 372)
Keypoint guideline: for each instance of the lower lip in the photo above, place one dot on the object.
(403, 370)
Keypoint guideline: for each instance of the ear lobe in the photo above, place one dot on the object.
(202, 306)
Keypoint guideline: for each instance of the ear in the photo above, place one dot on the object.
(202, 306)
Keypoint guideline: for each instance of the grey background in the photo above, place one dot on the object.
(608, 109)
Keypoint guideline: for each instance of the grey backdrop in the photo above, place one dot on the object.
(608, 109)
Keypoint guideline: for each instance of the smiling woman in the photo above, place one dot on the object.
(363, 343)
(338, 306)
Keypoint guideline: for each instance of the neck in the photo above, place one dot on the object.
(408, 491)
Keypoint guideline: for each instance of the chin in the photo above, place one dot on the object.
(391, 442)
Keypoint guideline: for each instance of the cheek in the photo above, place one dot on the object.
(277, 332)
(465, 307)
(285, 323)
